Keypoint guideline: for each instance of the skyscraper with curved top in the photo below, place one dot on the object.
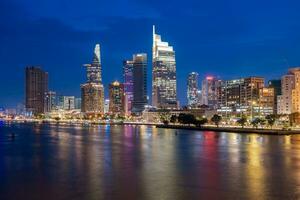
(92, 92)
(164, 94)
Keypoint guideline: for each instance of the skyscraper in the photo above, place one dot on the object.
(69, 103)
(36, 88)
(164, 93)
(284, 101)
(289, 100)
(92, 92)
(192, 89)
(50, 101)
(209, 91)
(116, 98)
(128, 84)
(78, 103)
(276, 84)
(139, 83)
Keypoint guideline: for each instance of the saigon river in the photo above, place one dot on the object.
(144, 162)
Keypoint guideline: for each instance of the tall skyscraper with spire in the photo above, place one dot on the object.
(92, 92)
(164, 94)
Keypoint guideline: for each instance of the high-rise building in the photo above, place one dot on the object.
(92, 92)
(139, 83)
(65, 102)
(199, 93)
(69, 103)
(78, 103)
(284, 101)
(192, 89)
(128, 84)
(266, 101)
(106, 106)
(36, 88)
(116, 98)
(239, 95)
(50, 101)
(289, 100)
(164, 92)
(296, 90)
(210, 91)
(276, 85)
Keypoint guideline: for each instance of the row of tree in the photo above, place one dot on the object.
(189, 119)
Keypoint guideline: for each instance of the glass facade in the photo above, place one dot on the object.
(92, 92)
(209, 91)
(116, 98)
(192, 89)
(36, 88)
(128, 84)
(164, 94)
(139, 83)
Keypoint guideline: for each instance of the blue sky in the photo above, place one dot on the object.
(225, 38)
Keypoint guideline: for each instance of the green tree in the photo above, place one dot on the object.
(255, 122)
(173, 119)
(164, 116)
(271, 119)
(242, 121)
(200, 122)
(186, 118)
(262, 122)
(216, 119)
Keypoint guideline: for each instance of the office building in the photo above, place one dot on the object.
(296, 90)
(116, 98)
(50, 101)
(92, 92)
(128, 85)
(139, 83)
(239, 96)
(164, 92)
(106, 106)
(68, 102)
(266, 101)
(36, 88)
(192, 89)
(276, 85)
(209, 91)
(289, 100)
(78, 103)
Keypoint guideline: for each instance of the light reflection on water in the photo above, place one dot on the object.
(143, 162)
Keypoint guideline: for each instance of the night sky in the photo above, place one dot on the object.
(225, 38)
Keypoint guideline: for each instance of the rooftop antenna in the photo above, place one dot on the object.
(153, 27)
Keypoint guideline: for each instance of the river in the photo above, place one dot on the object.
(144, 162)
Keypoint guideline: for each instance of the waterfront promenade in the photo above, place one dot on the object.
(263, 131)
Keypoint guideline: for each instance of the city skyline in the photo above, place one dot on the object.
(218, 55)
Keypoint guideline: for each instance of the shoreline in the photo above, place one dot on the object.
(233, 129)
(170, 126)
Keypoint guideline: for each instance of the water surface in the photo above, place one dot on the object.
(143, 162)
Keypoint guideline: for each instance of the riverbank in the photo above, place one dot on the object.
(80, 122)
(233, 129)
